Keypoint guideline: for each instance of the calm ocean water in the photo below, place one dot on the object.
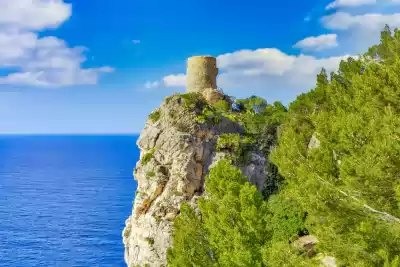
(64, 199)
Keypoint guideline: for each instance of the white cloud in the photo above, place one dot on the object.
(178, 80)
(318, 43)
(349, 3)
(252, 62)
(369, 21)
(173, 80)
(40, 61)
(358, 32)
(269, 67)
(266, 72)
(136, 42)
(34, 14)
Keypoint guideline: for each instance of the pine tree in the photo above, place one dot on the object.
(350, 184)
(191, 247)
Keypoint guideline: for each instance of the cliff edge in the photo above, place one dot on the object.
(177, 149)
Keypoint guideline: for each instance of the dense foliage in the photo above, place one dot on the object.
(344, 189)
(350, 184)
(237, 227)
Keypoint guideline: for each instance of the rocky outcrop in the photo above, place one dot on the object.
(307, 243)
(212, 95)
(328, 261)
(176, 154)
(314, 142)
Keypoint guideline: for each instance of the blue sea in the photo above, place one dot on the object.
(64, 199)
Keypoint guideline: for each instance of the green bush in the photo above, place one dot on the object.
(209, 114)
(237, 228)
(236, 144)
(192, 101)
(254, 104)
(191, 247)
(148, 156)
(150, 174)
(230, 141)
(222, 106)
(155, 116)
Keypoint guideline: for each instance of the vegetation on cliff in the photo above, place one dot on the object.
(343, 187)
(350, 184)
(237, 226)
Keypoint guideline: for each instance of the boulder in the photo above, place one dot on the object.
(306, 243)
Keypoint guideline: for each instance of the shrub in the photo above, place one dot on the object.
(236, 144)
(192, 101)
(222, 106)
(191, 247)
(148, 156)
(150, 174)
(155, 116)
(230, 141)
(150, 240)
(208, 114)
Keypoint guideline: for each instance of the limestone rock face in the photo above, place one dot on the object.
(176, 154)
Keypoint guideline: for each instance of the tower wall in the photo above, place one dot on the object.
(202, 73)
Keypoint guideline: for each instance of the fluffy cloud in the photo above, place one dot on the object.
(369, 21)
(357, 32)
(40, 61)
(273, 62)
(178, 80)
(317, 43)
(34, 14)
(350, 3)
(267, 72)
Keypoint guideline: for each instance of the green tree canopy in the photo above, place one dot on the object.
(350, 183)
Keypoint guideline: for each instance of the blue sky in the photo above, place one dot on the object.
(97, 66)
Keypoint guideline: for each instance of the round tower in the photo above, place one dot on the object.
(202, 73)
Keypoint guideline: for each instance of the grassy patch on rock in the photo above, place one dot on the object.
(237, 145)
(150, 174)
(155, 116)
(148, 156)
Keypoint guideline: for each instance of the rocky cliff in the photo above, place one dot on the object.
(178, 146)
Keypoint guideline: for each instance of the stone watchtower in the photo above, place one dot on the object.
(202, 74)
(201, 78)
